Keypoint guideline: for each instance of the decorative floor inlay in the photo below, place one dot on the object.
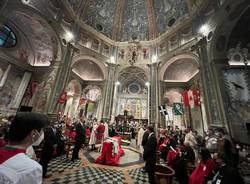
(60, 164)
(139, 176)
(91, 175)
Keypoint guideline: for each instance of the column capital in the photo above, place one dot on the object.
(112, 65)
(151, 65)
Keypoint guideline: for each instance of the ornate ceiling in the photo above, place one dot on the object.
(41, 38)
(127, 20)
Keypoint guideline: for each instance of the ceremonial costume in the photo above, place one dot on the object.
(100, 133)
(139, 139)
(17, 168)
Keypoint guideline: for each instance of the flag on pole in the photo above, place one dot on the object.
(178, 109)
(191, 98)
(163, 110)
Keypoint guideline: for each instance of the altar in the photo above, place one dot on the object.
(125, 135)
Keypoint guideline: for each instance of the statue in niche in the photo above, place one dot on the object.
(132, 54)
(121, 54)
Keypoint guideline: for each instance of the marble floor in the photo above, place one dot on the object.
(62, 170)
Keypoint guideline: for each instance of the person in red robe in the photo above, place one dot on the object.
(100, 132)
(204, 169)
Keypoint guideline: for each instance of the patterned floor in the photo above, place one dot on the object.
(60, 164)
(130, 157)
(139, 176)
(91, 175)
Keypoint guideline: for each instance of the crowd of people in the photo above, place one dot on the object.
(212, 158)
(54, 136)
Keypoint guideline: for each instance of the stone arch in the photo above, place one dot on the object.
(100, 64)
(96, 90)
(182, 57)
(123, 68)
(132, 74)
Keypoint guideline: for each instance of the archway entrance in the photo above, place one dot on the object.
(132, 93)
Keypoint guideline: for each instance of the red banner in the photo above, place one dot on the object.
(63, 97)
(191, 98)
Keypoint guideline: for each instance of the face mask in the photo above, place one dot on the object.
(39, 140)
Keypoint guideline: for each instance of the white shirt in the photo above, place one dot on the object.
(20, 169)
(140, 136)
(106, 131)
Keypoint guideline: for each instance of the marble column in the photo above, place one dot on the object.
(21, 90)
(208, 88)
(153, 97)
(62, 77)
(109, 91)
(115, 101)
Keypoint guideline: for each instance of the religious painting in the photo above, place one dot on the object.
(237, 101)
(42, 39)
(10, 87)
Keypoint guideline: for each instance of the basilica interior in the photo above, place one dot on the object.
(164, 63)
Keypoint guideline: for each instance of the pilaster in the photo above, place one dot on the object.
(21, 90)
(154, 95)
(62, 77)
(109, 91)
(208, 86)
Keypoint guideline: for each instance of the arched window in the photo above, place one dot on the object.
(7, 37)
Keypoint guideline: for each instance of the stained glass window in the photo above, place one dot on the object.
(7, 37)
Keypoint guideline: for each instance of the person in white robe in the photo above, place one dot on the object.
(139, 139)
(106, 132)
(92, 140)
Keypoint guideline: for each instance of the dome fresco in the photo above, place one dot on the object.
(132, 18)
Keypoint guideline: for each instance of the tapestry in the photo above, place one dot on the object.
(236, 98)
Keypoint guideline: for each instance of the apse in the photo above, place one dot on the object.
(88, 70)
(181, 70)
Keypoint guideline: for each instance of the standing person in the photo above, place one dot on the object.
(80, 139)
(92, 140)
(106, 131)
(149, 154)
(25, 130)
(50, 144)
(144, 138)
(139, 139)
(100, 132)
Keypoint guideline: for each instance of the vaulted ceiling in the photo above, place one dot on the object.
(127, 20)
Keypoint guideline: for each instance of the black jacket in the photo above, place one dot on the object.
(80, 133)
(228, 174)
(144, 139)
(150, 148)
